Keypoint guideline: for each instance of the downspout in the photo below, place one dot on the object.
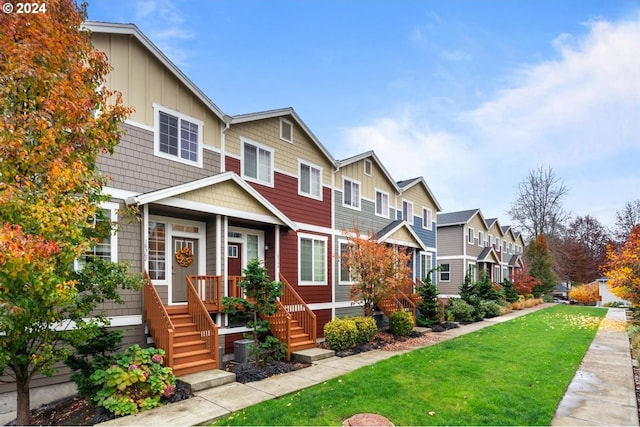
(336, 272)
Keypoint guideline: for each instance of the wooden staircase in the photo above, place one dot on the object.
(398, 302)
(190, 352)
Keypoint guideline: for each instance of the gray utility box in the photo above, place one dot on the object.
(242, 351)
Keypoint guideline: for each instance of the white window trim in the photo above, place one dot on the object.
(480, 238)
(440, 279)
(313, 166)
(409, 203)
(157, 109)
(430, 225)
(326, 261)
(359, 207)
(470, 236)
(285, 121)
(498, 243)
(423, 258)
(260, 146)
(368, 165)
(339, 269)
(383, 214)
(113, 239)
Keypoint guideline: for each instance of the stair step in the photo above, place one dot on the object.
(187, 346)
(311, 355)
(301, 345)
(200, 365)
(181, 319)
(181, 337)
(190, 356)
(203, 380)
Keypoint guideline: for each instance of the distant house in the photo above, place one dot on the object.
(606, 296)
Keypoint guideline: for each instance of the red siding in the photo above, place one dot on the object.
(322, 318)
(284, 195)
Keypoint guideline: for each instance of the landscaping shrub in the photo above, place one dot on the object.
(491, 309)
(459, 311)
(341, 334)
(401, 323)
(136, 382)
(366, 327)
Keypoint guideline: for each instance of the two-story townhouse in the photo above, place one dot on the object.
(278, 156)
(512, 251)
(418, 206)
(463, 249)
(495, 236)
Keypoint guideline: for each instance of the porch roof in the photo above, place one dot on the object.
(489, 254)
(225, 194)
(515, 261)
(400, 232)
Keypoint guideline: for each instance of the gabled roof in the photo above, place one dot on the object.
(366, 155)
(494, 221)
(457, 218)
(132, 30)
(270, 114)
(515, 261)
(169, 192)
(386, 234)
(408, 183)
(489, 254)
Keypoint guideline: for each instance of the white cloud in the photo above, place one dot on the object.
(577, 113)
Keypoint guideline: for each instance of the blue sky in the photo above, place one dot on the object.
(470, 94)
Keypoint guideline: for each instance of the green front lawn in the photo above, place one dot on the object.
(513, 373)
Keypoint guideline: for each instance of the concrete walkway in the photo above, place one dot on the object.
(602, 393)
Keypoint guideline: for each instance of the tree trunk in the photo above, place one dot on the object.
(23, 403)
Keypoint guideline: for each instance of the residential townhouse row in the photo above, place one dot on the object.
(229, 189)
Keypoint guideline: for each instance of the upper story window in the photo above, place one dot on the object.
(427, 218)
(382, 203)
(257, 162)
(310, 181)
(351, 193)
(498, 244)
(470, 236)
(367, 167)
(177, 136)
(286, 130)
(489, 238)
(407, 211)
(480, 238)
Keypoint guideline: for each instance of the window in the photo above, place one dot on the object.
(232, 251)
(105, 248)
(496, 272)
(177, 137)
(252, 247)
(407, 211)
(470, 236)
(382, 203)
(480, 238)
(427, 218)
(351, 196)
(445, 272)
(257, 163)
(313, 260)
(498, 244)
(286, 130)
(157, 257)
(489, 240)
(367, 167)
(425, 266)
(310, 181)
(345, 272)
(471, 272)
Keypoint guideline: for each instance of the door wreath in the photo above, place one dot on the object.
(184, 256)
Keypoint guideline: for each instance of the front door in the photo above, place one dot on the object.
(185, 263)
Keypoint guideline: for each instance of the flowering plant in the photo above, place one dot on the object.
(136, 382)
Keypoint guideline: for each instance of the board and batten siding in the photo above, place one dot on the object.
(143, 80)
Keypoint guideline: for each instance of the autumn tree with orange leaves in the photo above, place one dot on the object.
(585, 294)
(623, 268)
(378, 270)
(56, 118)
(523, 282)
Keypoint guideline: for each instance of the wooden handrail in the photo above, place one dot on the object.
(292, 307)
(158, 320)
(201, 317)
(209, 288)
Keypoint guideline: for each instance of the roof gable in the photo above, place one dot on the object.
(408, 184)
(370, 155)
(400, 233)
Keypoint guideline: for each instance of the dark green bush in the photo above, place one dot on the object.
(459, 311)
(341, 334)
(401, 323)
(366, 327)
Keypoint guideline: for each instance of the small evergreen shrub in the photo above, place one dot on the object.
(341, 334)
(401, 323)
(366, 327)
(136, 382)
(459, 311)
(491, 309)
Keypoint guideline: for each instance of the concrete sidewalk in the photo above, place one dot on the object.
(602, 393)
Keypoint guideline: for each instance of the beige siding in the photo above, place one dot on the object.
(227, 195)
(420, 198)
(143, 80)
(286, 154)
(368, 184)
